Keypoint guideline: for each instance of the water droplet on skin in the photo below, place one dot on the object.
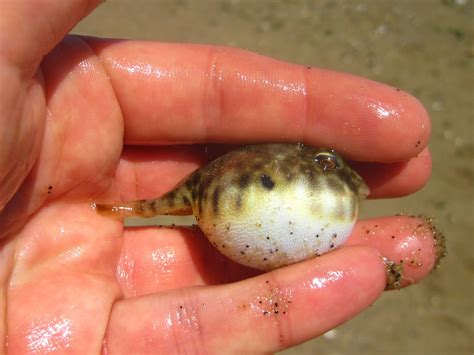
(49, 335)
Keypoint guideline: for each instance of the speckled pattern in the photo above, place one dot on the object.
(266, 205)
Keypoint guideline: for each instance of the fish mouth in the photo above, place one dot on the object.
(363, 190)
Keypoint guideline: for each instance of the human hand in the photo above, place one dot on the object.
(99, 119)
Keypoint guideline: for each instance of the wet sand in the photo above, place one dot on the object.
(425, 47)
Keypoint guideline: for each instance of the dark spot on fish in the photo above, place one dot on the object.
(331, 246)
(317, 235)
(334, 236)
(308, 67)
(267, 182)
(186, 201)
(238, 202)
(202, 195)
(171, 195)
(204, 183)
(215, 200)
(393, 237)
(244, 180)
(154, 205)
(195, 178)
(247, 246)
(291, 233)
(265, 259)
(268, 238)
(50, 189)
(189, 184)
(242, 252)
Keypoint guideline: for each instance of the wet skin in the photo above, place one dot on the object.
(87, 121)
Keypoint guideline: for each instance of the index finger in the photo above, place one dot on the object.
(174, 93)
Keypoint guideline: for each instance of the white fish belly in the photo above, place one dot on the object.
(283, 227)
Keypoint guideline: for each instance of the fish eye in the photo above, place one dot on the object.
(326, 161)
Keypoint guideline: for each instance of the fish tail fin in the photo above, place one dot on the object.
(122, 209)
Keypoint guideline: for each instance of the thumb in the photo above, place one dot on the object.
(28, 31)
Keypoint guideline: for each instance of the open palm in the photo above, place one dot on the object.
(115, 120)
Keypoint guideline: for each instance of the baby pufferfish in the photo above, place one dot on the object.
(265, 206)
